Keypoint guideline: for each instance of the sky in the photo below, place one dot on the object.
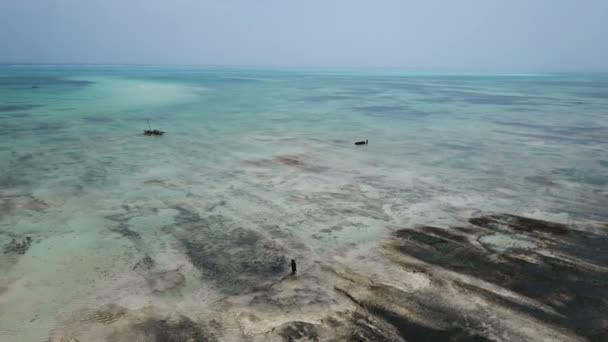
(417, 35)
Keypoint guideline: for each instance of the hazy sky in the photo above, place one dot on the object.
(459, 35)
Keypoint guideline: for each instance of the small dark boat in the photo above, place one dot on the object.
(151, 131)
(361, 142)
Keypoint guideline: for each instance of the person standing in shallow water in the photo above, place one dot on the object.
(293, 266)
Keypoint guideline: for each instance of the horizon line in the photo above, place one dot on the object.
(312, 67)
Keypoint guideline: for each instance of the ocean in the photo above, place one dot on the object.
(258, 166)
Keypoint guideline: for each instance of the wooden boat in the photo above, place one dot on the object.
(151, 131)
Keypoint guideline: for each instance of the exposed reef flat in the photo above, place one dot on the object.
(422, 283)
(190, 237)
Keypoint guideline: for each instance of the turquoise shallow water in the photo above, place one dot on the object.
(264, 159)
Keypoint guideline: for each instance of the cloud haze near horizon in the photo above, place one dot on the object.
(465, 35)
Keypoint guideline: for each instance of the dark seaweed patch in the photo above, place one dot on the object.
(574, 290)
(509, 302)
(566, 130)
(16, 115)
(579, 176)
(18, 247)
(237, 268)
(490, 99)
(540, 180)
(414, 88)
(18, 108)
(361, 91)
(555, 138)
(48, 127)
(368, 328)
(237, 80)
(42, 81)
(594, 94)
(290, 160)
(107, 314)
(380, 108)
(23, 202)
(237, 259)
(298, 331)
(146, 263)
(93, 175)
(386, 310)
(502, 100)
(603, 163)
(456, 147)
(520, 223)
(331, 229)
(121, 226)
(522, 125)
(520, 109)
(393, 111)
(412, 331)
(12, 179)
(38, 127)
(285, 302)
(126, 231)
(299, 161)
(326, 98)
(276, 231)
(97, 119)
(445, 233)
(436, 99)
(166, 280)
(182, 329)
(562, 134)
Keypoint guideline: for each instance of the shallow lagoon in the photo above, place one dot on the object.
(258, 166)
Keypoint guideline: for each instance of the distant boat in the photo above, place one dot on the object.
(151, 131)
(361, 142)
